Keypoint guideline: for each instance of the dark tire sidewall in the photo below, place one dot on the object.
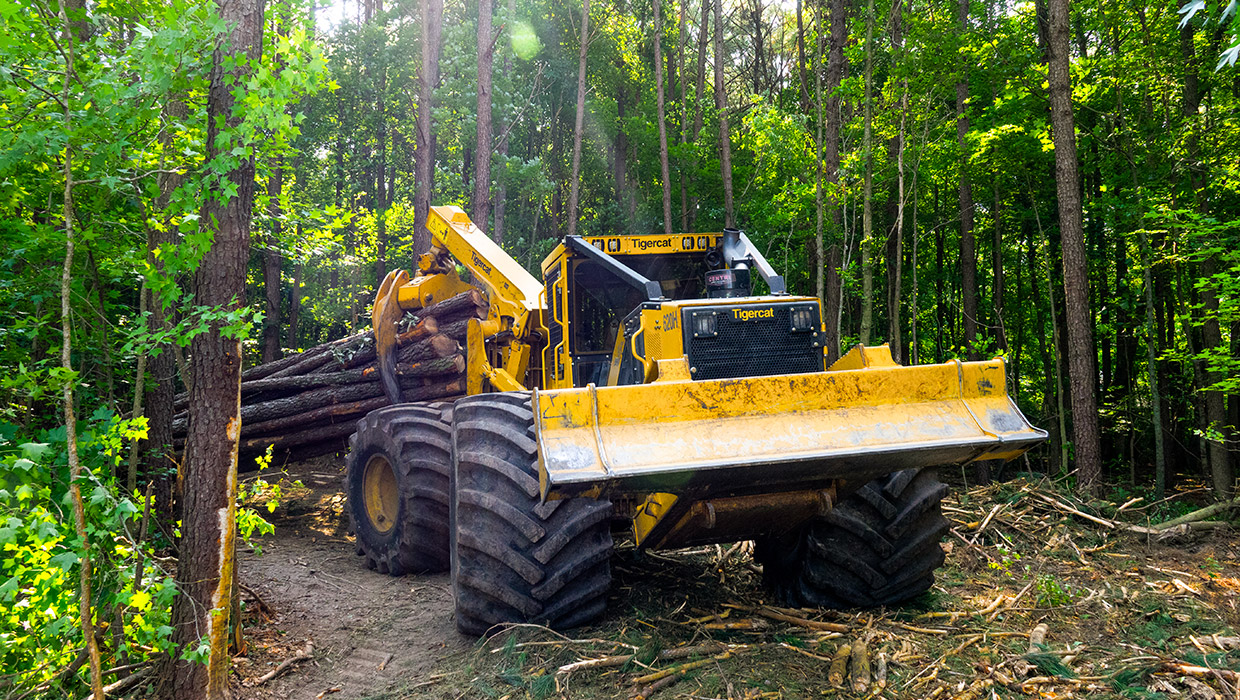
(380, 545)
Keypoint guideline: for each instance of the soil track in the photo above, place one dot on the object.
(373, 635)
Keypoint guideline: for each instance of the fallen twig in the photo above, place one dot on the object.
(919, 630)
(1069, 509)
(1200, 514)
(684, 668)
(1187, 669)
(263, 607)
(665, 655)
(773, 614)
(123, 684)
(745, 625)
(655, 687)
(304, 655)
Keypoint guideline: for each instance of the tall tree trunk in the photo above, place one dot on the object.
(383, 195)
(294, 298)
(914, 349)
(1076, 282)
(205, 566)
(1061, 412)
(1207, 312)
(804, 85)
(139, 390)
(424, 156)
(271, 265)
(665, 170)
(833, 279)
(725, 133)
(85, 613)
(1151, 363)
(620, 148)
(867, 204)
(574, 183)
(759, 52)
(684, 116)
(501, 182)
(158, 463)
(819, 256)
(894, 286)
(557, 167)
(968, 246)
(699, 94)
(482, 151)
(272, 261)
(996, 267)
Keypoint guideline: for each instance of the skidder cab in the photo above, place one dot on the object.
(671, 379)
(683, 300)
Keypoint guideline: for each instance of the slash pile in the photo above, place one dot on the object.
(306, 404)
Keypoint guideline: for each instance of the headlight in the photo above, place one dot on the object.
(704, 324)
(803, 318)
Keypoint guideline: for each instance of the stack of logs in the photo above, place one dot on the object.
(307, 404)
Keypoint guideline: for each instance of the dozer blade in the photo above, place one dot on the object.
(777, 433)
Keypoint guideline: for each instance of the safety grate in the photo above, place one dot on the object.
(752, 348)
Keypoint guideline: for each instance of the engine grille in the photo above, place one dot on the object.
(756, 347)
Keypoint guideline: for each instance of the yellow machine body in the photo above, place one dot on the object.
(716, 417)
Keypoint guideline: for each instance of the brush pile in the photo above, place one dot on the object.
(306, 404)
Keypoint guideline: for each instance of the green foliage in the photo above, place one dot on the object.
(1049, 665)
(255, 493)
(1007, 558)
(40, 553)
(1052, 593)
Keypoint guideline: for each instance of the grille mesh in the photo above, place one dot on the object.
(755, 348)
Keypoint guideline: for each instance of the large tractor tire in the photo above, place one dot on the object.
(399, 467)
(514, 558)
(879, 546)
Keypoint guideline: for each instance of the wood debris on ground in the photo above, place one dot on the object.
(1036, 600)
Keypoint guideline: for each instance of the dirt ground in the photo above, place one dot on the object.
(373, 635)
(1126, 616)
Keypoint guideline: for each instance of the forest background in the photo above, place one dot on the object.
(895, 159)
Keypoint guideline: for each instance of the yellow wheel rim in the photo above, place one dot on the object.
(380, 494)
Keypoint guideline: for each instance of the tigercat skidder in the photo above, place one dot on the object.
(642, 380)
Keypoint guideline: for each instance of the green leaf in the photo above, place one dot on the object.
(8, 588)
(65, 560)
(33, 450)
(140, 600)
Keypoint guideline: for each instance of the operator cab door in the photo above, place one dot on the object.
(598, 301)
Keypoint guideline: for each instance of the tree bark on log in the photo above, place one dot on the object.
(431, 348)
(335, 413)
(456, 330)
(472, 301)
(270, 368)
(310, 381)
(342, 429)
(307, 400)
(286, 440)
(436, 367)
(314, 362)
